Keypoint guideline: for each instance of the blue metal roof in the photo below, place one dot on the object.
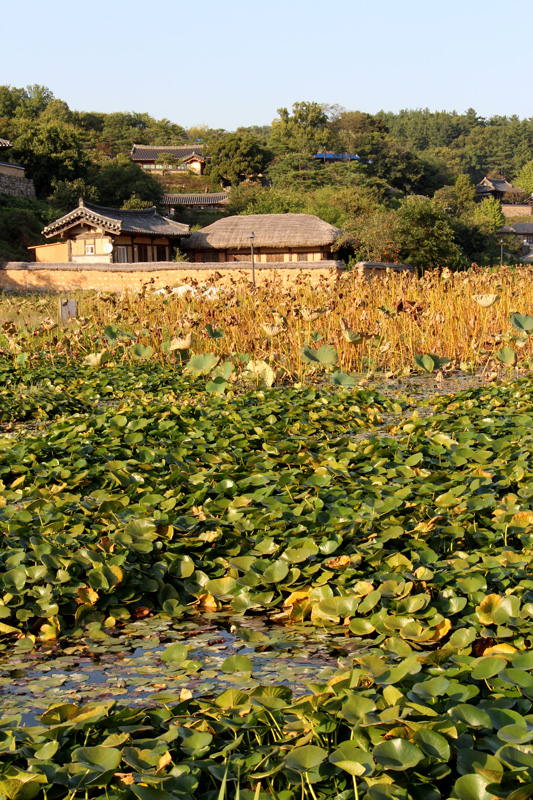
(336, 157)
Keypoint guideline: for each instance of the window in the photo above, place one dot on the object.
(89, 249)
(160, 252)
(302, 256)
(142, 252)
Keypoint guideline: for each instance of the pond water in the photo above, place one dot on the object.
(128, 666)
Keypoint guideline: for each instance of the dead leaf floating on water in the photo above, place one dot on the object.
(485, 300)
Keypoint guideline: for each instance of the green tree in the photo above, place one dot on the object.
(303, 131)
(49, 150)
(524, 179)
(353, 131)
(119, 179)
(295, 169)
(425, 235)
(65, 194)
(373, 236)
(234, 158)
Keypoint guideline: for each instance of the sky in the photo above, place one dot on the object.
(227, 63)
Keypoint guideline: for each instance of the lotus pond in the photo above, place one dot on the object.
(306, 591)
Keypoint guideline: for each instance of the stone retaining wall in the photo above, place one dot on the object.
(20, 187)
(29, 276)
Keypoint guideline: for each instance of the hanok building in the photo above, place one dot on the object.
(96, 234)
(206, 201)
(275, 238)
(523, 231)
(182, 159)
(494, 187)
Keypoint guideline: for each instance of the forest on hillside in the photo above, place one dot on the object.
(410, 194)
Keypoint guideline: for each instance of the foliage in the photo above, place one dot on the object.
(65, 194)
(524, 179)
(21, 223)
(374, 236)
(159, 496)
(303, 131)
(49, 150)
(234, 158)
(119, 180)
(425, 236)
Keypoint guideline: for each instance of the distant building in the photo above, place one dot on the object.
(12, 177)
(494, 187)
(329, 157)
(96, 234)
(277, 238)
(206, 201)
(524, 233)
(183, 158)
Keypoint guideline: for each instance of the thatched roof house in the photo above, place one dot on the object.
(275, 238)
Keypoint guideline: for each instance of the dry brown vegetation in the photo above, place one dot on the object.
(375, 325)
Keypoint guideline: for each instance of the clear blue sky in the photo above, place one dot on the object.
(227, 63)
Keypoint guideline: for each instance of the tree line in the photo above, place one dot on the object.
(415, 170)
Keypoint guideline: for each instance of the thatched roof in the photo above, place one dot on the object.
(270, 230)
(115, 220)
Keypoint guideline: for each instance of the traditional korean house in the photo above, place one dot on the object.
(206, 201)
(494, 187)
(275, 238)
(96, 234)
(182, 159)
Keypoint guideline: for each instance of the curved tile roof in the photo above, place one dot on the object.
(117, 220)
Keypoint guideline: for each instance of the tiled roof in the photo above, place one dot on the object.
(488, 185)
(148, 152)
(9, 164)
(205, 199)
(4, 143)
(522, 228)
(116, 220)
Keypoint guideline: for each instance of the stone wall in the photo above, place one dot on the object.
(511, 211)
(26, 276)
(20, 187)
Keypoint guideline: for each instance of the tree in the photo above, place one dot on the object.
(66, 194)
(119, 180)
(49, 150)
(295, 169)
(374, 236)
(234, 158)
(524, 179)
(352, 131)
(305, 131)
(425, 236)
